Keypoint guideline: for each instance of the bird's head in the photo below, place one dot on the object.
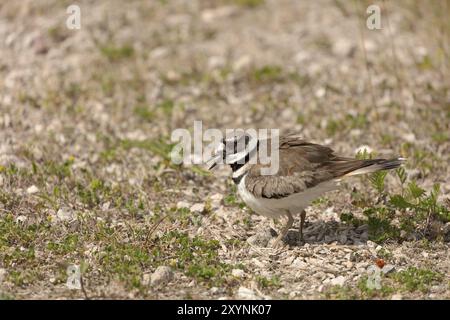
(234, 151)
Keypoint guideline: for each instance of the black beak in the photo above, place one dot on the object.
(214, 160)
(212, 166)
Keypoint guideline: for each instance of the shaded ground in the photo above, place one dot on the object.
(85, 123)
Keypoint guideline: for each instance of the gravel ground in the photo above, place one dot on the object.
(85, 123)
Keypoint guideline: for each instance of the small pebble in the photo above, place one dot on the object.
(32, 190)
(162, 275)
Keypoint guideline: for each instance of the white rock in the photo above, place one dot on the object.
(289, 260)
(210, 15)
(32, 190)
(238, 273)
(183, 204)
(222, 213)
(2, 274)
(436, 288)
(146, 279)
(338, 281)
(301, 57)
(178, 19)
(242, 63)
(320, 93)
(247, 294)
(397, 296)
(343, 47)
(216, 197)
(216, 200)
(214, 290)
(65, 214)
(371, 244)
(258, 263)
(21, 219)
(299, 263)
(159, 52)
(388, 268)
(370, 45)
(215, 62)
(409, 137)
(173, 75)
(106, 205)
(1, 180)
(349, 264)
(356, 132)
(162, 275)
(191, 284)
(283, 291)
(198, 207)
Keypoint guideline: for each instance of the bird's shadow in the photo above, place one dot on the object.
(326, 232)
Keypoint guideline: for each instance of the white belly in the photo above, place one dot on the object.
(275, 208)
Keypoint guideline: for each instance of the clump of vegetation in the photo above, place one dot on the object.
(414, 207)
(249, 3)
(159, 146)
(410, 280)
(144, 113)
(115, 53)
(232, 198)
(267, 73)
(413, 279)
(399, 215)
(196, 257)
(272, 282)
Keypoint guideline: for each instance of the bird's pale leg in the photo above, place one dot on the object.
(284, 231)
(302, 223)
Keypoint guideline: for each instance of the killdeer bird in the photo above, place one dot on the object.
(305, 172)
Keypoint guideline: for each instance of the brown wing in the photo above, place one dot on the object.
(302, 165)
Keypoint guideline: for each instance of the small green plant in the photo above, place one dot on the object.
(369, 293)
(158, 147)
(265, 282)
(232, 199)
(92, 193)
(414, 279)
(114, 53)
(423, 205)
(380, 227)
(144, 113)
(197, 257)
(60, 170)
(267, 73)
(341, 293)
(349, 218)
(166, 106)
(249, 3)
(68, 245)
(414, 208)
(364, 154)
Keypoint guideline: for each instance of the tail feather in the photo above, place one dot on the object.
(370, 166)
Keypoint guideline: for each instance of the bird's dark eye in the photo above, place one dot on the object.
(237, 145)
(247, 140)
